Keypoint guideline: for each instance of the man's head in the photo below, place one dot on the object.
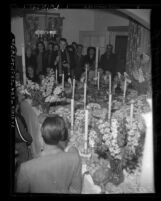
(50, 46)
(109, 49)
(79, 49)
(63, 43)
(40, 47)
(91, 51)
(74, 44)
(54, 130)
(56, 47)
(30, 71)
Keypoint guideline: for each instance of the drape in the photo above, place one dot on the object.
(138, 59)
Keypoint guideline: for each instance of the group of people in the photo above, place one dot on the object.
(67, 59)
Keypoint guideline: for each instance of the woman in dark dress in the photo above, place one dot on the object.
(30, 58)
(41, 62)
(51, 56)
(90, 57)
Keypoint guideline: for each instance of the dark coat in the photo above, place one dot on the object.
(50, 59)
(90, 61)
(79, 65)
(108, 64)
(30, 61)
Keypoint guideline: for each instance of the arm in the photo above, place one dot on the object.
(22, 185)
(77, 180)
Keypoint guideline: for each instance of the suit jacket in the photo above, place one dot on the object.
(79, 66)
(108, 64)
(51, 173)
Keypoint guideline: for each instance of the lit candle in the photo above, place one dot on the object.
(63, 80)
(86, 66)
(131, 112)
(109, 106)
(109, 83)
(85, 94)
(56, 76)
(86, 131)
(73, 88)
(96, 62)
(125, 86)
(23, 64)
(98, 80)
(72, 114)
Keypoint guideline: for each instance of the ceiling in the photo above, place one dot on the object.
(140, 15)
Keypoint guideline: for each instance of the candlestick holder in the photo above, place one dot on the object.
(85, 153)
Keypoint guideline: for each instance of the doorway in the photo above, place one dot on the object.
(120, 50)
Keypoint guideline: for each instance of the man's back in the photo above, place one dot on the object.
(51, 173)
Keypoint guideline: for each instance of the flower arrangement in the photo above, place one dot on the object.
(47, 84)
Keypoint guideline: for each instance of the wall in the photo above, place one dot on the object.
(75, 20)
(103, 19)
(141, 15)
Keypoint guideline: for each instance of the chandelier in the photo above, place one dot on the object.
(45, 34)
(48, 32)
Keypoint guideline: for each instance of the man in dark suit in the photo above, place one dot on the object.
(108, 61)
(64, 60)
(55, 171)
(79, 58)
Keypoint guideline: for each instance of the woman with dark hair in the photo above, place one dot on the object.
(40, 58)
(90, 57)
(31, 74)
(55, 171)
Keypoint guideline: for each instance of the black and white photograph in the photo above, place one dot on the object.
(82, 115)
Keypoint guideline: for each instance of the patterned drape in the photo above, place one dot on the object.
(138, 61)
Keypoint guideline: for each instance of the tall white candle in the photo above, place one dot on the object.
(125, 86)
(63, 80)
(86, 66)
(131, 112)
(96, 62)
(73, 88)
(72, 114)
(56, 76)
(85, 94)
(109, 106)
(109, 83)
(86, 131)
(98, 80)
(23, 64)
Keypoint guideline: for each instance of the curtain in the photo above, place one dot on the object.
(138, 60)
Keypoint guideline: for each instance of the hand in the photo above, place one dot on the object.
(56, 60)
